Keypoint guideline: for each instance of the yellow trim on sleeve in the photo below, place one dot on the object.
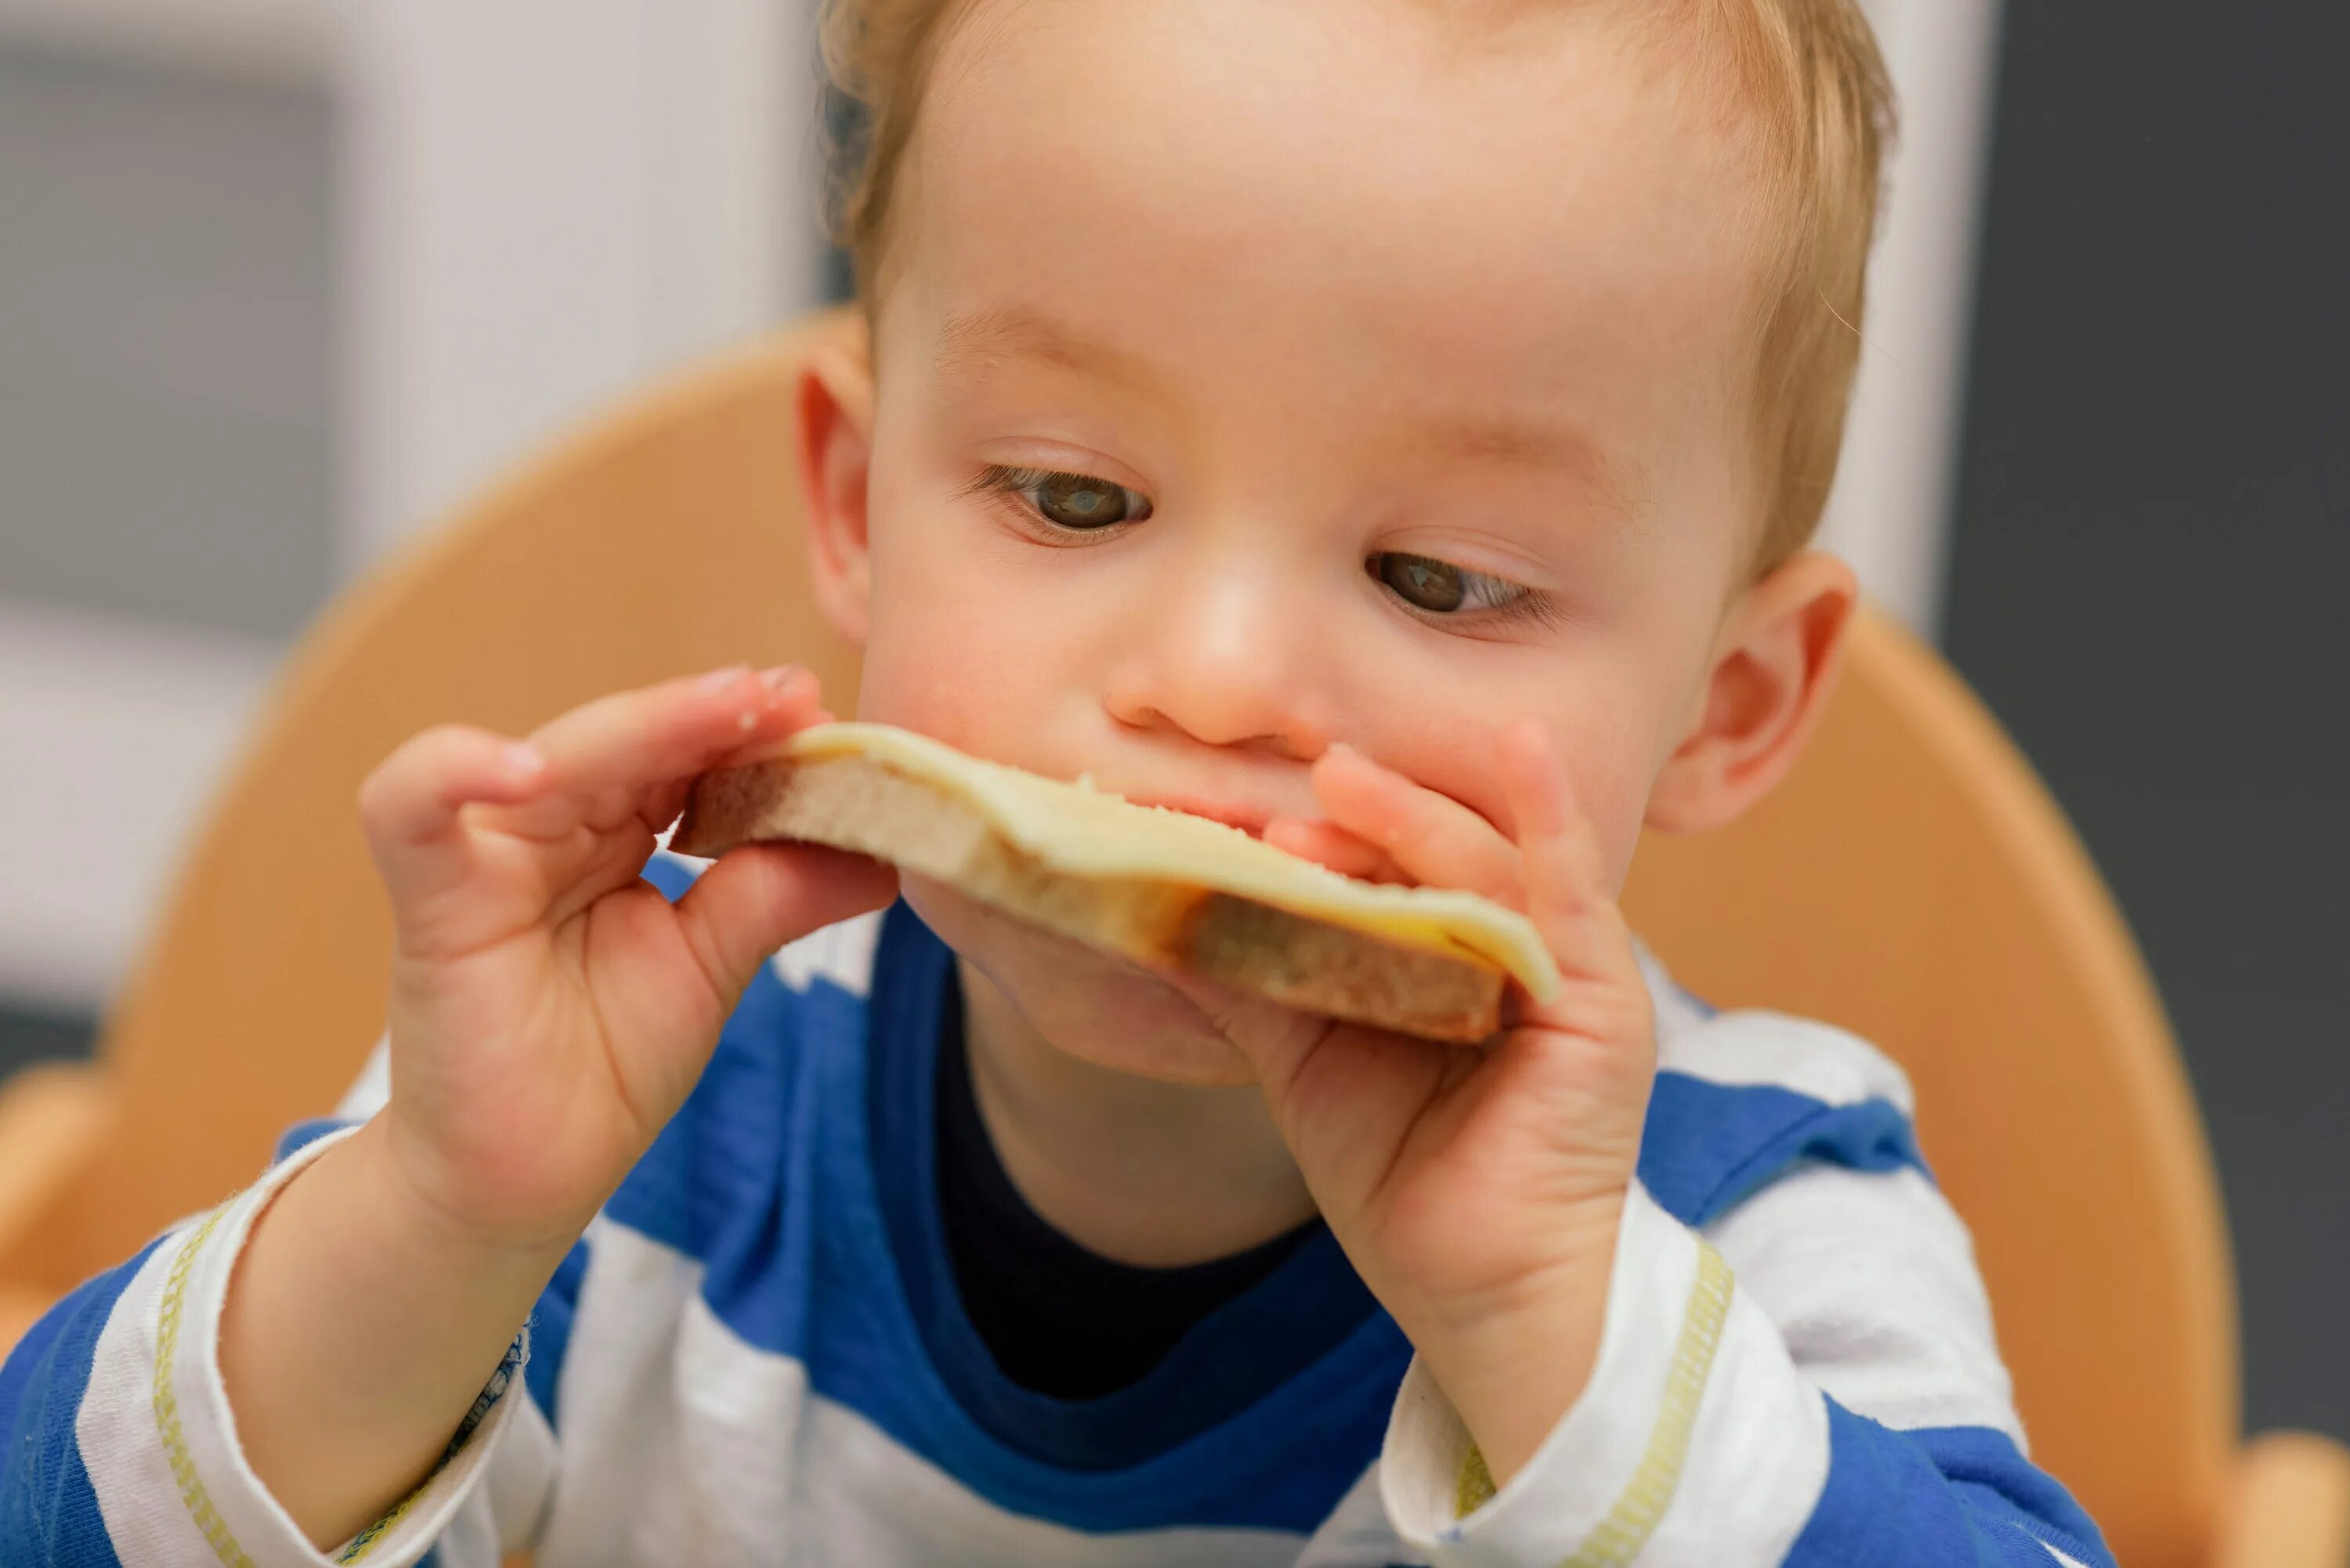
(175, 1443)
(167, 1404)
(1618, 1537)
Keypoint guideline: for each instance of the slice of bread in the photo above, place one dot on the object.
(1160, 887)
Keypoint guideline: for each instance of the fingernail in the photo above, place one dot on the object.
(719, 679)
(524, 758)
(780, 676)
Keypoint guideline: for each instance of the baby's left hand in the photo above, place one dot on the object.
(1477, 1189)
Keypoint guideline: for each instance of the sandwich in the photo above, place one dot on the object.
(1164, 887)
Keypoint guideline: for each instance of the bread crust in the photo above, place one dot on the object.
(859, 803)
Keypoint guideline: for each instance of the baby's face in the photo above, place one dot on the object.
(1253, 377)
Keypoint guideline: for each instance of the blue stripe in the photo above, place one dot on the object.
(1278, 1462)
(48, 1511)
(1939, 1497)
(768, 1176)
(1710, 1147)
(302, 1135)
(671, 876)
(1211, 1377)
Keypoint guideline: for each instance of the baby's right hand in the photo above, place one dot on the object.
(549, 1010)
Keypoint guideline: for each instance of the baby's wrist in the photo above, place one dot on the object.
(427, 1217)
(1515, 1363)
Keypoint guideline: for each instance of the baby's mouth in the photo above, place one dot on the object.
(1249, 819)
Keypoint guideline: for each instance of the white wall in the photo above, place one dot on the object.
(111, 733)
(550, 201)
(1890, 512)
(547, 201)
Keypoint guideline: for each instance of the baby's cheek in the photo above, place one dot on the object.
(914, 678)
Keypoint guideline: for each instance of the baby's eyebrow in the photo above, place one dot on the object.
(975, 343)
(1521, 442)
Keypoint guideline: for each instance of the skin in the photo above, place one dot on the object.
(1516, 348)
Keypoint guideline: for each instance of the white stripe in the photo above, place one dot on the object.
(371, 1090)
(1357, 1532)
(685, 1444)
(667, 1456)
(861, 1498)
(1757, 1047)
(115, 1429)
(841, 953)
(1871, 1279)
(1772, 1048)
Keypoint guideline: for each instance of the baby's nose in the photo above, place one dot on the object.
(1226, 657)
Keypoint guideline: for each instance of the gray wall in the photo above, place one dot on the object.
(165, 275)
(2150, 565)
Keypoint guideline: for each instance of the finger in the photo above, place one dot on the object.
(1328, 844)
(758, 896)
(1567, 897)
(675, 729)
(765, 745)
(602, 756)
(411, 806)
(1433, 838)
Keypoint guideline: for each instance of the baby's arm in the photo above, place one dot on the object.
(1809, 1380)
(359, 1328)
(284, 1373)
(1812, 1381)
(120, 1444)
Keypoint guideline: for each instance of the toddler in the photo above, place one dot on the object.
(1393, 427)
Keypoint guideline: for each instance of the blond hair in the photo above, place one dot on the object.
(1806, 77)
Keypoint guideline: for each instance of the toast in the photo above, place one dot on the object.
(1163, 887)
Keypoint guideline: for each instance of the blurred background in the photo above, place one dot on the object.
(279, 282)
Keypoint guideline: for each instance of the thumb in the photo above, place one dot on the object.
(758, 896)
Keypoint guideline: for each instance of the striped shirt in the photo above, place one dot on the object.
(755, 1355)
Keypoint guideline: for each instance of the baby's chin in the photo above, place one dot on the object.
(1089, 1004)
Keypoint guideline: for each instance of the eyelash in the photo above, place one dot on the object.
(1009, 485)
(1525, 606)
(1003, 482)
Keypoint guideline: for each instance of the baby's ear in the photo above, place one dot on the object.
(1774, 664)
(836, 447)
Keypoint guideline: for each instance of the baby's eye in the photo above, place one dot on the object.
(1074, 501)
(1439, 587)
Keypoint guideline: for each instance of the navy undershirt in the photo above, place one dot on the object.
(1060, 1318)
(1064, 1355)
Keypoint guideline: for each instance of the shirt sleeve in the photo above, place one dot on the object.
(1811, 1382)
(121, 1447)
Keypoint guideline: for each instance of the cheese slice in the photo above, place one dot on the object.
(1078, 831)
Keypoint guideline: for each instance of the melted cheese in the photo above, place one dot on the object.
(1085, 831)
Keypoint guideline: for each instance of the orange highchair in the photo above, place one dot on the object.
(1911, 881)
